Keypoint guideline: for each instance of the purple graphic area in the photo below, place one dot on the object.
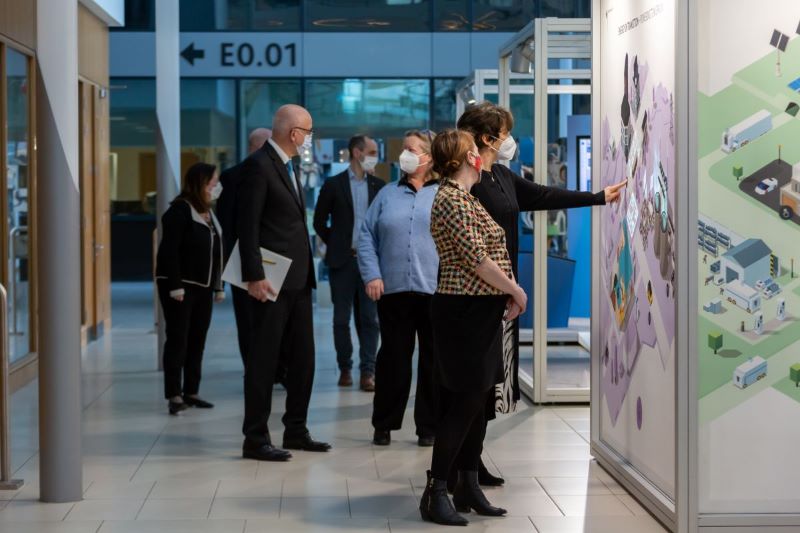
(641, 313)
(639, 413)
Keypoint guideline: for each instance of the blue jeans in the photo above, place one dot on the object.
(350, 298)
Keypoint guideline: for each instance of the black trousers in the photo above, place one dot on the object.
(287, 326)
(186, 327)
(241, 311)
(350, 297)
(460, 433)
(404, 318)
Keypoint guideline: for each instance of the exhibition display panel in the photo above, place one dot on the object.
(696, 364)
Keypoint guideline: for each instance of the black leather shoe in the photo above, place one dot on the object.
(382, 437)
(435, 505)
(305, 443)
(468, 495)
(425, 442)
(176, 407)
(486, 478)
(267, 452)
(194, 401)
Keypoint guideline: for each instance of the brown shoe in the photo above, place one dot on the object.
(346, 379)
(367, 382)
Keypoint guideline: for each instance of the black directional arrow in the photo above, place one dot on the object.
(190, 54)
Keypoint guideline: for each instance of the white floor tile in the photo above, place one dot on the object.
(168, 489)
(634, 506)
(174, 526)
(597, 524)
(476, 524)
(175, 509)
(315, 488)
(34, 511)
(118, 490)
(608, 505)
(250, 488)
(247, 508)
(383, 506)
(54, 527)
(318, 525)
(573, 486)
(312, 507)
(105, 510)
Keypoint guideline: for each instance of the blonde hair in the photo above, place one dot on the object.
(427, 137)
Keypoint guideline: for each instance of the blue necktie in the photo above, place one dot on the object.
(290, 170)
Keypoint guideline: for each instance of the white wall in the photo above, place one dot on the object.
(728, 49)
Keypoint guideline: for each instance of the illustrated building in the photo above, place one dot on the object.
(790, 195)
(743, 296)
(748, 262)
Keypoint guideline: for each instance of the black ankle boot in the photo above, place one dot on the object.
(486, 478)
(435, 505)
(468, 495)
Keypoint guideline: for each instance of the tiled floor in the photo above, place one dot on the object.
(146, 471)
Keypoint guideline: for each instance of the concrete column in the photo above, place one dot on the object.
(168, 120)
(58, 208)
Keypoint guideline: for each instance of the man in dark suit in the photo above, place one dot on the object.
(344, 200)
(272, 215)
(226, 214)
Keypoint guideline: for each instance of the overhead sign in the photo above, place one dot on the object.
(222, 54)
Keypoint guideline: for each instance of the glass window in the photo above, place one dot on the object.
(444, 104)
(208, 122)
(17, 168)
(242, 15)
(379, 108)
(140, 15)
(258, 101)
(451, 15)
(133, 151)
(565, 8)
(368, 15)
(502, 15)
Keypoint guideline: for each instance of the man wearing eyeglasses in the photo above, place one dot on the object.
(272, 215)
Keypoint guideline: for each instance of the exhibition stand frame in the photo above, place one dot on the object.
(696, 352)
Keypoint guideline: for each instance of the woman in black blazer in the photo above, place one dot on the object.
(504, 194)
(189, 278)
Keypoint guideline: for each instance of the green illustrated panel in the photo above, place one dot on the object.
(748, 343)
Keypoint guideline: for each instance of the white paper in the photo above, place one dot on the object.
(275, 269)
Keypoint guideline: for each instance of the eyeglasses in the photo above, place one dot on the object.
(309, 131)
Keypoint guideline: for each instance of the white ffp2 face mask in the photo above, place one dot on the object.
(216, 191)
(369, 162)
(508, 148)
(409, 162)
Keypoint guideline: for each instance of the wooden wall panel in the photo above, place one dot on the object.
(92, 47)
(18, 21)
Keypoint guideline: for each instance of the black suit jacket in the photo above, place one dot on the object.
(271, 215)
(336, 201)
(226, 206)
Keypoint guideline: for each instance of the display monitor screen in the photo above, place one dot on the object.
(585, 163)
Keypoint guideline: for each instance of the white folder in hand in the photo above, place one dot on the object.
(275, 269)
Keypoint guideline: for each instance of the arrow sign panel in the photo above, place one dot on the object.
(190, 54)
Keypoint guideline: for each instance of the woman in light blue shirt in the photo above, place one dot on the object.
(399, 265)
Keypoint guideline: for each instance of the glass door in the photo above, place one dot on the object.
(18, 177)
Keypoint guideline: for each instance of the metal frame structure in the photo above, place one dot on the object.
(539, 42)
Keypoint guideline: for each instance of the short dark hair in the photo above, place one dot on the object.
(194, 183)
(357, 141)
(485, 118)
